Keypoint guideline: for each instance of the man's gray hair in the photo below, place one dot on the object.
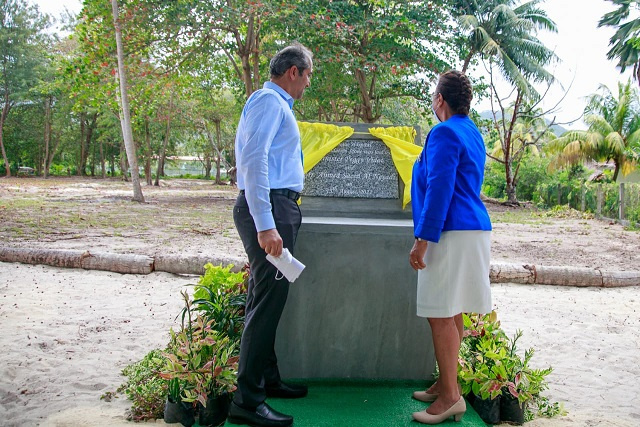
(295, 54)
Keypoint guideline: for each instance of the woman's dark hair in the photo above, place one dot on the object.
(455, 88)
(295, 54)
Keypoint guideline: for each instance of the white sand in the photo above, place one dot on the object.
(68, 333)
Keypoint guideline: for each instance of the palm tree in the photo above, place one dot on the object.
(625, 40)
(613, 133)
(504, 33)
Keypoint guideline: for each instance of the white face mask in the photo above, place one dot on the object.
(433, 108)
(436, 115)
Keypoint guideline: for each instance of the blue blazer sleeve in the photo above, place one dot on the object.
(443, 152)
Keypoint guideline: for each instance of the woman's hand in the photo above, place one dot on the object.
(416, 256)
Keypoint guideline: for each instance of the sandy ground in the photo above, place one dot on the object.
(68, 333)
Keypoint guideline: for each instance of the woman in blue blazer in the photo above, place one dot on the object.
(453, 238)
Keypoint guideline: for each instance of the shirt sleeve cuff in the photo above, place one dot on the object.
(264, 221)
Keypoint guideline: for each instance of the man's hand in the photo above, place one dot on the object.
(416, 256)
(271, 242)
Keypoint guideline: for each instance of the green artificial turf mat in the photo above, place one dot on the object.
(361, 404)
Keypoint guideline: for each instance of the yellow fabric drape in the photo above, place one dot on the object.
(403, 152)
(318, 139)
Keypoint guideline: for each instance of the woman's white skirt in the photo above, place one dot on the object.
(456, 278)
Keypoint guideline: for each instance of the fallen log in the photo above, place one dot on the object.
(193, 264)
(567, 276)
(511, 273)
(118, 263)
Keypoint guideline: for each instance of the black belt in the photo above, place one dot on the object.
(290, 194)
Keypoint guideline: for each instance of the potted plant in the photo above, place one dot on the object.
(481, 353)
(202, 362)
(496, 379)
(175, 409)
(483, 386)
(197, 370)
(523, 385)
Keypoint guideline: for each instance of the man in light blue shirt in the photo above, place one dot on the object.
(267, 217)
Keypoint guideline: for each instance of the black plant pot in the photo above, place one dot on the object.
(511, 410)
(470, 398)
(216, 411)
(488, 409)
(179, 412)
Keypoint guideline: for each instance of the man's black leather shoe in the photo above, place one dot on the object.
(263, 416)
(287, 391)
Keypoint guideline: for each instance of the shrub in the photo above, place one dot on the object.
(144, 387)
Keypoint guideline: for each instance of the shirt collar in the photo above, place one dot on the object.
(283, 93)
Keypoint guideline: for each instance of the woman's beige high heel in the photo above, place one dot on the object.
(423, 396)
(456, 411)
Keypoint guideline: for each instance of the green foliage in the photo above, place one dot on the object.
(367, 53)
(494, 184)
(220, 296)
(533, 171)
(22, 62)
(613, 133)
(625, 47)
(200, 359)
(504, 32)
(144, 387)
(563, 187)
(481, 352)
(490, 366)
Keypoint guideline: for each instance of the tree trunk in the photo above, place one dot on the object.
(3, 119)
(123, 163)
(147, 160)
(165, 143)
(103, 165)
(467, 60)
(47, 134)
(87, 132)
(245, 51)
(81, 170)
(207, 165)
(616, 170)
(214, 148)
(124, 100)
(218, 152)
(52, 154)
(507, 150)
(366, 110)
(93, 161)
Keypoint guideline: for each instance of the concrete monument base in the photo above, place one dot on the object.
(352, 312)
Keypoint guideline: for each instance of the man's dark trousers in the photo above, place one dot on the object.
(266, 297)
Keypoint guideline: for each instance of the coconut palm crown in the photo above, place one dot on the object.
(613, 132)
(624, 42)
(504, 32)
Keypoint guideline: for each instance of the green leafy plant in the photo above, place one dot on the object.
(200, 358)
(481, 353)
(220, 296)
(144, 387)
(490, 366)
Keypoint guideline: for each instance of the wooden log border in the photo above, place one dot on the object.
(525, 274)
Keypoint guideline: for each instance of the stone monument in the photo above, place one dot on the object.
(352, 312)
